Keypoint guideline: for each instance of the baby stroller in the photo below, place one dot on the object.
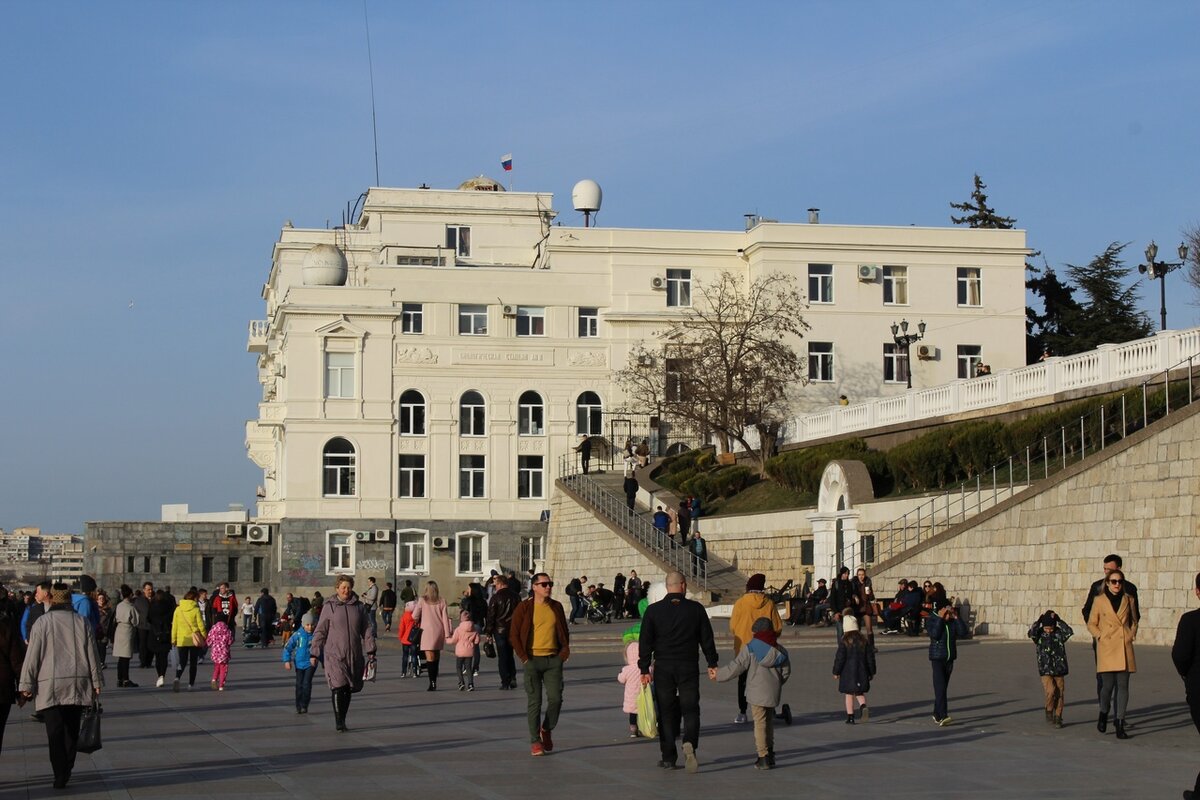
(597, 612)
(252, 636)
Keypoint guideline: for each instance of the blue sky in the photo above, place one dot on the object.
(149, 153)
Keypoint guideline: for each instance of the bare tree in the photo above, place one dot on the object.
(1191, 269)
(726, 364)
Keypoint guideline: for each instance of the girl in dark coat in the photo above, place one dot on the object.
(853, 667)
(12, 656)
(162, 611)
(475, 604)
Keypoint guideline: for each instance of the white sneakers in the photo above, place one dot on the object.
(740, 719)
(689, 758)
(159, 682)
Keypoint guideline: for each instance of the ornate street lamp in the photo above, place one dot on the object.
(905, 339)
(1159, 269)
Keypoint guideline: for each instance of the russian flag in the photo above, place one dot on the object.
(506, 162)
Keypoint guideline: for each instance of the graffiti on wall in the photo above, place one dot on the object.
(371, 564)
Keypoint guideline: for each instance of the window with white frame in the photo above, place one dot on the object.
(676, 379)
(472, 476)
(679, 287)
(589, 323)
(472, 414)
(472, 320)
(589, 414)
(530, 477)
(970, 356)
(412, 551)
(895, 364)
(340, 468)
(533, 550)
(471, 550)
(412, 475)
(895, 286)
(339, 374)
(970, 286)
(412, 318)
(412, 413)
(531, 414)
(820, 361)
(339, 552)
(458, 240)
(531, 321)
(820, 283)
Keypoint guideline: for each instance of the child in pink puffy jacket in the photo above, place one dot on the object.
(631, 676)
(220, 645)
(464, 639)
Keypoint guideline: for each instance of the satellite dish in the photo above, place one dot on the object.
(586, 197)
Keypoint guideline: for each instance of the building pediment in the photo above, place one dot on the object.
(341, 327)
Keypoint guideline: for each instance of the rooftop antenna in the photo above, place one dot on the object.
(586, 197)
(371, 72)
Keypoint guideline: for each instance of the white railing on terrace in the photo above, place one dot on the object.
(1105, 364)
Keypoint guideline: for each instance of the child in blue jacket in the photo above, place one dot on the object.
(296, 652)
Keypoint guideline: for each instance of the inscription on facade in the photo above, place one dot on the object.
(505, 357)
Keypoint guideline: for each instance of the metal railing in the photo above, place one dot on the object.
(612, 507)
(1056, 451)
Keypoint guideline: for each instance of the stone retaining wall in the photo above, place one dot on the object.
(580, 544)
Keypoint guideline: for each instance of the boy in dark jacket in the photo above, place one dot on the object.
(944, 629)
(1050, 636)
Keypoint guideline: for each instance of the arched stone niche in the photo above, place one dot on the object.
(835, 522)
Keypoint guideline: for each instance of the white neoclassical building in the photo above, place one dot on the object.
(424, 368)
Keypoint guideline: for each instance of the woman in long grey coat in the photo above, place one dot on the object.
(345, 642)
(61, 672)
(433, 618)
(126, 619)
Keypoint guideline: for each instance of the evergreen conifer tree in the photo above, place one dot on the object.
(1109, 315)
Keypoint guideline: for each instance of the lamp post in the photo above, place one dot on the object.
(905, 339)
(1159, 270)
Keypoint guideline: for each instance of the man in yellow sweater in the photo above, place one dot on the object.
(752, 605)
(539, 637)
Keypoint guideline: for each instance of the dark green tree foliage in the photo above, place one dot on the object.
(1109, 315)
(977, 212)
(1052, 330)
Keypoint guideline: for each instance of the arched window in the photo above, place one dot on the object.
(531, 414)
(412, 413)
(472, 414)
(589, 414)
(340, 468)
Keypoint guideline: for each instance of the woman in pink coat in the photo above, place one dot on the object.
(434, 621)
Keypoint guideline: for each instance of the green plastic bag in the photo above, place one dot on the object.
(647, 719)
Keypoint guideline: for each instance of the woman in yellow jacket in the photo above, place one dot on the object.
(1114, 624)
(187, 634)
(749, 607)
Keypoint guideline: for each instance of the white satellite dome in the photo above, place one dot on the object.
(586, 196)
(324, 265)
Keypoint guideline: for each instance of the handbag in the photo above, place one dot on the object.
(199, 639)
(369, 672)
(414, 635)
(89, 729)
(489, 648)
(647, 720)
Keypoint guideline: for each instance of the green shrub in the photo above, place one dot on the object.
(731, 480)
(706, 459)
(800, 470)
(700, 485)
(976, 446)
(924, 463)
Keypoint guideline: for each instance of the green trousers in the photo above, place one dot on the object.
(543, 671)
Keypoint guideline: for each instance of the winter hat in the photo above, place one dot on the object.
(87, 584)
(761, 624)
(757, 582)
(849, 623)
(1048, 620)
(410, 605)
(308, 619)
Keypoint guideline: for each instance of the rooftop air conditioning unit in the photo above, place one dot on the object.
(645, 360)
(867, 273)
(362, 536)
(509, 311)
(658, 282)
(383, 536)
(233, 529)
(258, 534)
(927, 352)
(441, 543)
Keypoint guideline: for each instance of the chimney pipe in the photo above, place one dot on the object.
(814, 216)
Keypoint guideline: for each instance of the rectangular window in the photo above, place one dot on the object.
(412, 414)
(895, 286)
(530, 474)
(866, 549)
(820, 283)
(806, 553)
(412, 554)
(339, 374)
(472, 320)
(340, 548)
(412, 476)
(970, 356)
(458, 240)
(970, 286)
(472, 476)
(130, 566)
(895, 364)
(162, 565)
(233, 569)
(531, 417)
(820, 361)
(412, 318)
(532, 551)
(676, 379)
(589, 323)
(146, 564)
(531, 321)
(206, 565)
(470, 554)
(258, 564)
(472, 415)
(679, 287)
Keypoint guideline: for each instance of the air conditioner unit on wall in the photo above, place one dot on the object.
(441, 543)
(233, 529)
(509, 311)
(645, 360)
(383, 536)
(658, 282)
(362, 536)
(258, 534)
(867, 273)
(927, 352)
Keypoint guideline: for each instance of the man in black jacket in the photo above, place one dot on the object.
(1186, 655)
(673, 630)
(841, 597)
(499, 618)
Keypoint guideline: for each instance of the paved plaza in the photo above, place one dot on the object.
(406, 742)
